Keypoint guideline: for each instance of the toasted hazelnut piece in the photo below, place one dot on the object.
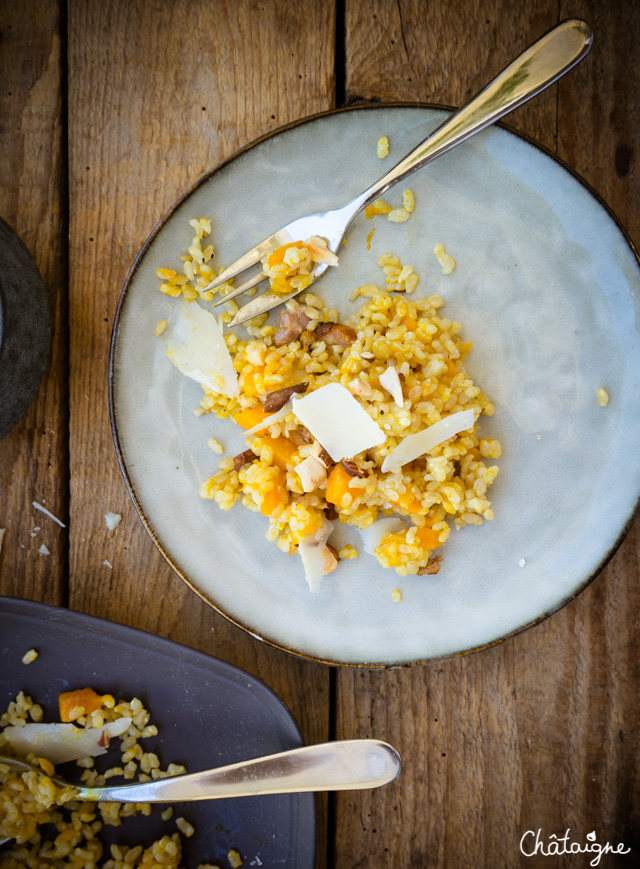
(360, 387)
(330, 558)
(312, 473)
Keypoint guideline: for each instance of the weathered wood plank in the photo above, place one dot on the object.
(444, 53)
(158, 95)
(540, 731)
(33, 457)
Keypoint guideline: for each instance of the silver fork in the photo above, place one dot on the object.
(538, 67)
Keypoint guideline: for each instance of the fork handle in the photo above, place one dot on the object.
(350, 764)
(538, 67)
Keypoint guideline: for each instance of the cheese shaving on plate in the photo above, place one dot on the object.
(421, 442)
(337, 420)
(197, 349)
(390, 380)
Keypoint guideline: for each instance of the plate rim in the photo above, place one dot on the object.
(607, 555)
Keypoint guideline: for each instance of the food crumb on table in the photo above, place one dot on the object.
(43, 550)
(522, 562)
(383, 147)
(603, 397)
(29, 656)
(396, 595)
(112, 520)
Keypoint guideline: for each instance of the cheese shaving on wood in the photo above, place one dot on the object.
(48, 513)
(421, 442)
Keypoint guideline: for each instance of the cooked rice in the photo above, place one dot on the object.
(447, 487)
(30, 800)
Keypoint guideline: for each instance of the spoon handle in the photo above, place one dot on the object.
(351, 764)
(535, 69)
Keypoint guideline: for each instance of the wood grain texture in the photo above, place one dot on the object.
(159, 93)
(444, 53)
(33, 457)
(540, 732)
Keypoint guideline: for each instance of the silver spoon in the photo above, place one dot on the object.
(349, 764)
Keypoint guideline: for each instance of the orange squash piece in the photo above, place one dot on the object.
(251, 416)
(283, 449)
(83, 698)
(274, 498)
(277, 256)
(428, 538)
(338, 485)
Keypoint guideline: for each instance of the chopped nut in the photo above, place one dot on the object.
(312, 473)
(335, 333)
(432, 567)
(300, 436)
(273, 401)
(321, 454)
(243, 459)
(331, 558)
(352, 469)
(360, 387)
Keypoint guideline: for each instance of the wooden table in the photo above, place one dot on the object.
(109, 110)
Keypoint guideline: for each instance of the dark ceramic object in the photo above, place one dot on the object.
(25, 331)
(208, 714)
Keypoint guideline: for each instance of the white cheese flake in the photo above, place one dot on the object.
(197, 348)
(278, 416)
(48, 513)
(421, 442)
(372, 536)
(311, 549)
(112, 520)
(336, 419)
(390, 380)
(61, 742)
(43, 550)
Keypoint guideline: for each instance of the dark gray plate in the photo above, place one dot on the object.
(25, 332)
(208, 714)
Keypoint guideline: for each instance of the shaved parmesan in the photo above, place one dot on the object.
(62, 742)
(311, 549)
(196, 347)
(372, 536)
(390, 380)
(338, 421)
(421, 442)
(278, 416)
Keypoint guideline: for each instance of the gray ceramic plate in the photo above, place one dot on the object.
(208, 714)
(547, 287)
